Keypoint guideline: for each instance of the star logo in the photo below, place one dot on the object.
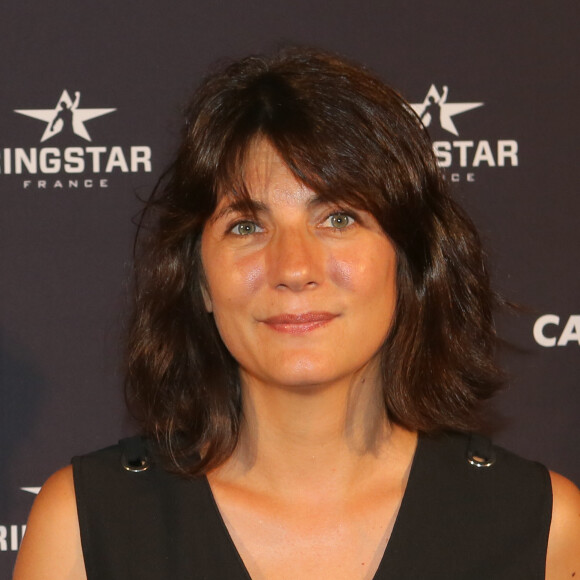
(34, 490)
(436, 108)
(66, 116)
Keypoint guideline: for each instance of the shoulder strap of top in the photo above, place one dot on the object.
(471, 510)
(139, 521)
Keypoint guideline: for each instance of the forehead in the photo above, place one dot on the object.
(265, 177)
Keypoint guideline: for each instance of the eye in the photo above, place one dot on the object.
(339, 220)
(245, 228)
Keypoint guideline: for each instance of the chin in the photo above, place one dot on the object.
(305, 373)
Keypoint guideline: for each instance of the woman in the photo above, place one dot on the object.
(313, 326)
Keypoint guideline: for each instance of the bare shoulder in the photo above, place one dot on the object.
(563, 558)
(51, 547)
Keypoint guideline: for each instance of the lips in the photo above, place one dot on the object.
(299, 323)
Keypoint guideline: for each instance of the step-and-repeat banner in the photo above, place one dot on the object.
(90, 111)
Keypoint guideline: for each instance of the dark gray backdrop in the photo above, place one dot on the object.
(65, 248)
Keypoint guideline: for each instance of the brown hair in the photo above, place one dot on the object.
(350, 138)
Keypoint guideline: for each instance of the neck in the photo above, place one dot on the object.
(315, 435)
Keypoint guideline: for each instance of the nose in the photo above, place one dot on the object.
(295, 260)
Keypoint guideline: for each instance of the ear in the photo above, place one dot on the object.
(206, 298)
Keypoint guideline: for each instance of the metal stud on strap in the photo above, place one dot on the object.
(136, 464)
(480, 452)
(479, 461)
(134, 455)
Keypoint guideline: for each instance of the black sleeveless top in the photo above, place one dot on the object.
(470, 511)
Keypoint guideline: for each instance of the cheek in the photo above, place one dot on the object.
(366, 272)
(234, 282)
(252, 276)
(342, 271)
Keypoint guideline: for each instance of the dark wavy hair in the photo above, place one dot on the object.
(349, 137)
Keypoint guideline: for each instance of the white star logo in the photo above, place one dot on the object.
(427, 110)
(34, 490)
(66, 112)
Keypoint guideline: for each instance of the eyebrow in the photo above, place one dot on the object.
(254, 207)
(241, 205)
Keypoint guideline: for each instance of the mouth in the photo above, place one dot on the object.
(299, 323)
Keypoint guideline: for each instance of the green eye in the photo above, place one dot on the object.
(244, 228)
(340, 220)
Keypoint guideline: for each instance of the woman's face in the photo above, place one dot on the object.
(303, 291)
